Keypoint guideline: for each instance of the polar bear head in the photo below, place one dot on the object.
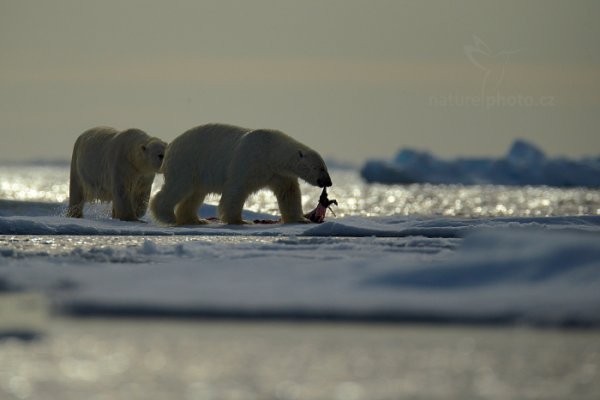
(284, 156)
(152, 154)
(311, 168)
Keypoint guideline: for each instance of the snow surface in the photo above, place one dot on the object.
(524, 164)
(497, 270)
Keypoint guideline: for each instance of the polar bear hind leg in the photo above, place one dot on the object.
(232, 203)
(163, 204)
(76, 199)
(186, 212)
(76, 191)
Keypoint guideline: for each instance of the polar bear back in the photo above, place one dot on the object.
(203, 154)
(212, 154)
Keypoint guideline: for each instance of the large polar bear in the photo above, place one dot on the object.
(117, 166)
(234, 162)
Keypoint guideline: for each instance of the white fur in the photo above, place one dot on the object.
(234, 162)
(109, 165)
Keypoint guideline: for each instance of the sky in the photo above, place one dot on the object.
(353, 79)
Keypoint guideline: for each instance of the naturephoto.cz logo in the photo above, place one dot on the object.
(492, 66)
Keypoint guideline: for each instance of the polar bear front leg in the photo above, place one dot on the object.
(122, 202)
(287, 192)
(123, 208)
(142, 197)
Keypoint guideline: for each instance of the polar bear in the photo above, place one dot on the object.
(117, 166)
(234, 162)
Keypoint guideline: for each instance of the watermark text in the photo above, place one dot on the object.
(491, 101)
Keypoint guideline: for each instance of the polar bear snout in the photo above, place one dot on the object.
(154, 152)
(324, 181)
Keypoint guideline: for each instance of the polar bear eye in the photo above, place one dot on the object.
(161, 156)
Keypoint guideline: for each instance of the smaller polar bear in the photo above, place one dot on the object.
(117, 166)
(234, 162)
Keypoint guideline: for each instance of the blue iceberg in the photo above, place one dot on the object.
(524, 164)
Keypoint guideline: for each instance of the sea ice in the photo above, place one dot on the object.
(494, 270)
(524, 164)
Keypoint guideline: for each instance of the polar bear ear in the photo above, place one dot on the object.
(300, 154)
